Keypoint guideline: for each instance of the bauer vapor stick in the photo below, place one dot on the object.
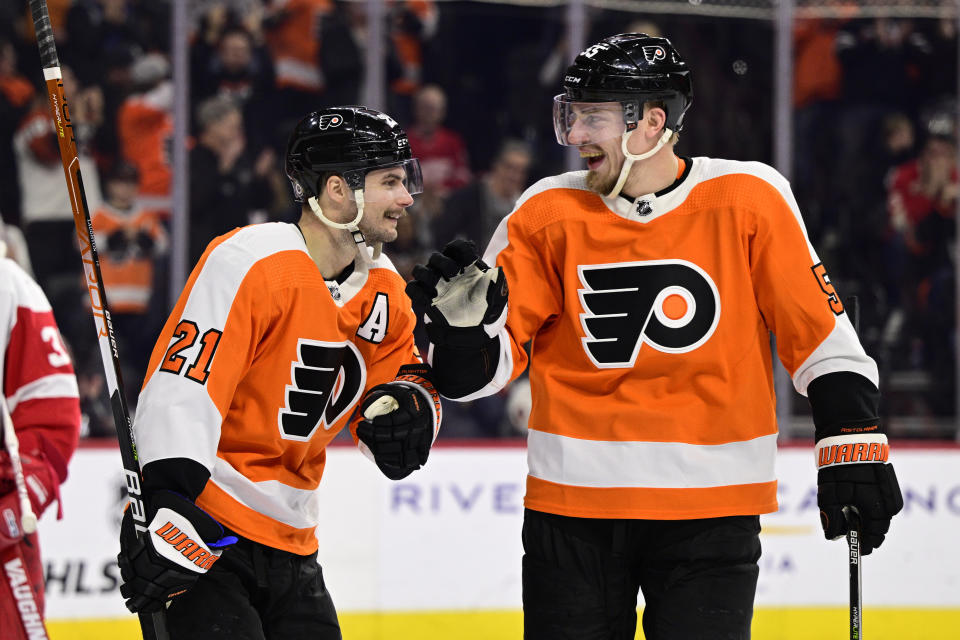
(852, 517)
(153, 626)
(15, 573)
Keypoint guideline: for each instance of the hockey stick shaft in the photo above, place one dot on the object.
(28, 519)
(17, 578)
(153, 627)
(853, 560)
(852, 517)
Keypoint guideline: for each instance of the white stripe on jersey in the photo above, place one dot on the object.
(659, 465)
(294, 507)
(58, 385)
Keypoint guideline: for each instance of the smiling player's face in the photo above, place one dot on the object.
(385, 201)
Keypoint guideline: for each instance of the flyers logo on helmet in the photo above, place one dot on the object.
(653, 53)
(330, 120)
(671, 305)
(328, 378)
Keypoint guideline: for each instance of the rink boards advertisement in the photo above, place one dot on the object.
(448, 536)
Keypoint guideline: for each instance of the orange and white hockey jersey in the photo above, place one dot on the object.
(650, 368)
(128, 279)
(259, 366)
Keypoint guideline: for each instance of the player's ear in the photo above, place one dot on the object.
(336, 189)
(656, 119)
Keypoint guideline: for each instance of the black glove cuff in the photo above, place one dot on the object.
(850, 428)
(457, 337)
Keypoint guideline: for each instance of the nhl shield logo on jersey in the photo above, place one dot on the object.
(327, 380)
(330, 120)
(671, 305)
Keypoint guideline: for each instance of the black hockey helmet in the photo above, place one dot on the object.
(629, 68)
(350, 142)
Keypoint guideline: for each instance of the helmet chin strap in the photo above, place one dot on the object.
(353, 226)
(632, 157)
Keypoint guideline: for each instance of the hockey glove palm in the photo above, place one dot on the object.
(397, 428)
(181, 544)
(464, 299)
(853, 470)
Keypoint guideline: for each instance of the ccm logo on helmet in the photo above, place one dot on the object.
(330, 120)
(671, 305)
(653, 52)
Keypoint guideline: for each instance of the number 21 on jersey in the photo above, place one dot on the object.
(185, 335)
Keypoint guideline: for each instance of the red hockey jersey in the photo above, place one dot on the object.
(37, 377)
(259, 366)
(650, 366)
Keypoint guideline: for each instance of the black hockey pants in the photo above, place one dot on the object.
(581, 577)
(255, 592)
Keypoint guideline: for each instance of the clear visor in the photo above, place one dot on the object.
(580, 123)
(390, 183)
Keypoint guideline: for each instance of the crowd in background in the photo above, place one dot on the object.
(875, 169)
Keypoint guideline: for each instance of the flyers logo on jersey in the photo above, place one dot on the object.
(329, 121)
(328, 378)
(671, 305)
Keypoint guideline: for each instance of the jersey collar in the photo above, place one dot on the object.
(651, 206)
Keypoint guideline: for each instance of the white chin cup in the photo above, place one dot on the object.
(632, 157)
(353, 226)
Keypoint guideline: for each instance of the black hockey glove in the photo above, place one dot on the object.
(397, 428)
(464, 299)
(853, 470)
(181, 544)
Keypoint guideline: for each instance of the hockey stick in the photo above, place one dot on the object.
(853, 561)
(17, 579)
(12, 560)
(28, 520)
(852, 517)
(153, 626)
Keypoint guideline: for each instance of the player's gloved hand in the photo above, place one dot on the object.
(397, 428)
(181, 544)
(117, 244)
(144, 242)
(465, 300)
(42, 482)
(853, 470)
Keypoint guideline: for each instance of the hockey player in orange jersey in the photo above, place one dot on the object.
(284, 335)
(648, 285)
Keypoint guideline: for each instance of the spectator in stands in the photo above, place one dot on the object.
(291, 29)
(47, 214)
(343, 35)
(16, 98)
(236, 67)
(228, 186)
(145, 126)
(411, 23)
(474, 211)
(442, 152)
(922, 206)
(131, 239)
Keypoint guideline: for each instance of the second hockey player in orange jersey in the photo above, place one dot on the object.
(647, 287)
(284, 335)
